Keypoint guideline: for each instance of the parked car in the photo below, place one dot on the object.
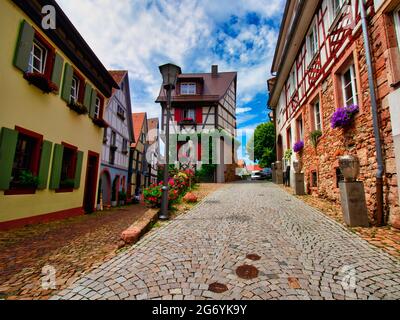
(268, 172)
(258, 175)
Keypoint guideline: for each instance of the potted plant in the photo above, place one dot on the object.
(41, 81)
(78, 107)
(122, 198)
(67, 184)
(343, 117)
(288, 154)
(314, 137)
(27, 180)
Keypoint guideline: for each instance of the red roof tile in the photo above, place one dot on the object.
(118, 76)
(138, 122)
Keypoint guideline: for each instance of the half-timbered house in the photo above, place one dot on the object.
(319, 66)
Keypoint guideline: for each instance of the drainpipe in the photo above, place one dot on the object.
(378, 145)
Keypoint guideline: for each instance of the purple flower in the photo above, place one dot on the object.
(298, 146)
(342, 117)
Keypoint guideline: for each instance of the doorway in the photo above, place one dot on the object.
(89, 199)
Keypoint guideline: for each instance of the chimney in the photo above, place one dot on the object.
(214, 70)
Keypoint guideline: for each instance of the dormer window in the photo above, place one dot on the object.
(38, 58)
(188, 88)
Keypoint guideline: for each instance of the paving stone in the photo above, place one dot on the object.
(296, 243)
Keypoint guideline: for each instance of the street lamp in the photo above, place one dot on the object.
(170, 74)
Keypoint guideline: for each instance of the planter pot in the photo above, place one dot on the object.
(350, 167)
(297, 166)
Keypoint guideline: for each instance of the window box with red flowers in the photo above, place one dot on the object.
(78, 107)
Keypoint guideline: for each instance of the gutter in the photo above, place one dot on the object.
(378, 145)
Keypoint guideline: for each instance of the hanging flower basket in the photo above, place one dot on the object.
(41, 81)
(78, 107)
(343, 117)
(298, 146)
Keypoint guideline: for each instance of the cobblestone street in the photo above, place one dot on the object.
(303, 255)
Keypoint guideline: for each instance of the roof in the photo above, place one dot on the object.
(214, 87)
(254, 168)
(152, 126)
(71, 43)
(138, 120)
(118, 76)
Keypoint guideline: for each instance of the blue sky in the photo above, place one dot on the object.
(140, 35)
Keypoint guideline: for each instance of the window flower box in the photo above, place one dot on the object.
(100, 123)
(113, 147)
(187, 121)
(41, 81)
(78, 107)
(343, 117)
(121, 116)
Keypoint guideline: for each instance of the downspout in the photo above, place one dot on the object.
(378, 144)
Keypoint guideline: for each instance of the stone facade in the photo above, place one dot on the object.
(321, 165)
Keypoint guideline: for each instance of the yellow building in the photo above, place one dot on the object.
(53, 90)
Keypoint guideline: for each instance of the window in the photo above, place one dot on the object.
(314, 179)
(336, 7)
(349, 87)
(38, 58)
(289, 137)
(292, 82)
(312, 40)
(125, 146)
(188, 88)
(105, 136)
(300, 129)
(68, 167)
(397, 24)
(97, 108)
(113, 138)
(120, 112)
(27, 151)
(189, 113)
(75, 89)
(317, 116)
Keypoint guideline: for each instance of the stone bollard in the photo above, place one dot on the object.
(299, 189)
(278, 173)
(352, 193)
(273, 172)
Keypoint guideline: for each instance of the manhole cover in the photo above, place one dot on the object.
(253, 257)
(247, 272)
(217, 287)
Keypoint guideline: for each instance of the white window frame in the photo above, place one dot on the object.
(313, 41)
(97, 108)
(317, 115)
(397, 25)
(187, 88)
(353, 83)
(42, 58)
(335, 11)
(300, 125)
(75, 89)
(292, 82)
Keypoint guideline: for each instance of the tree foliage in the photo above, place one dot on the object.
(261, 147)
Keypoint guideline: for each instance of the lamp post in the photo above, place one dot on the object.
(170, 74)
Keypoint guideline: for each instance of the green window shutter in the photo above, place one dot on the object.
(78, 170)
(44, 164)
(24, 46)
(8, 145)
(88, 96)
(55, 178)
(57, 70)
(92, 108)
(67, 83)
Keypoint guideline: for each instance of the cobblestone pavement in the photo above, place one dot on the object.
(71, 246)
(304, 255)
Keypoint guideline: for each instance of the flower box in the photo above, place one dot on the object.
(343, 117)
(41, 81)
(100, 123)
(187, 121)
(78, 107)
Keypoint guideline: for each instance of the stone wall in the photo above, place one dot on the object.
(359, 138)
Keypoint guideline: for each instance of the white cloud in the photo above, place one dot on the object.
(139, 35)
(242, 110)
